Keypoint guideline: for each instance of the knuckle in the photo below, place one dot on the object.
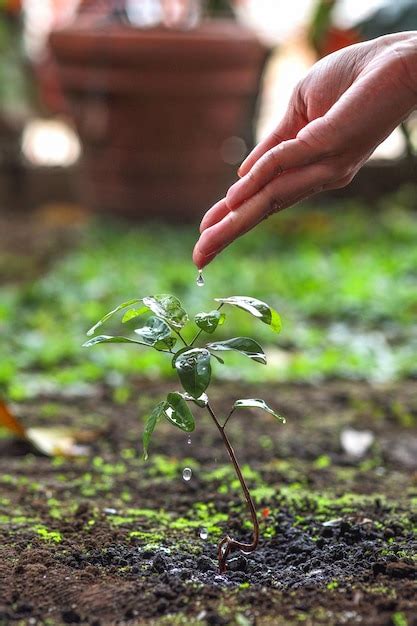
(275, 204)
(272, 158)
(251, 175)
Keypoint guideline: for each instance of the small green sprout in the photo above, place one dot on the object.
(163, 322)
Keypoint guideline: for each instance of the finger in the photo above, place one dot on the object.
(277, 195)
(286, 129)
(214, 215)
(287, 155)
(200, 259)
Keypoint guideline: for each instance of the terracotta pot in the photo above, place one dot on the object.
(156, 110)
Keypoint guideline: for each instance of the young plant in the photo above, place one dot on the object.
(164, 328)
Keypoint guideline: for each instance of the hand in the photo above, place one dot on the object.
(348, 103)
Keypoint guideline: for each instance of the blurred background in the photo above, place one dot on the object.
(121, 121)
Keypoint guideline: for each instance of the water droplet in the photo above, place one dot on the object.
(187, 473)
(189, 440)
(203, 533)
(200, 279)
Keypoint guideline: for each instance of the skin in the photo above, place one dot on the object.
(347, 104)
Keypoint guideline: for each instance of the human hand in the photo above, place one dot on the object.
(348, 103)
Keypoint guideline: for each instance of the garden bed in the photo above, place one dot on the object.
(111, 539)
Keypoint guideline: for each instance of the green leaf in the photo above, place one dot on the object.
(132, 313)
(255, 403)
(177, 412)
(168, 308)
(209, 321)
(201, 401)
(257, 308)
(153, 418)
(111, 339)
(156, 333)
(194, 370)
(124, 305)
(177, 354)
(244, 345)
(166, 344)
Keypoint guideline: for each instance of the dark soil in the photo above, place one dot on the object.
(111, 539)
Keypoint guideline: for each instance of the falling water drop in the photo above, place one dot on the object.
(189, 440)
(203, 533)
(200, 279)
(187, 473)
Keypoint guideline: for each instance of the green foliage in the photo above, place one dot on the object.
(343, 276)
(194, 370)
(257, 308)
(255, 403)
(244, 345)
(192, 364)
(209, 321)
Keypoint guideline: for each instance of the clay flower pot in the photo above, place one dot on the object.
(159, 111)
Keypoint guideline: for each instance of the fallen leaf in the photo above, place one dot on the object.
(50, 440)
(10, 422)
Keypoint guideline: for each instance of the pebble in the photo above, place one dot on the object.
(237, 564)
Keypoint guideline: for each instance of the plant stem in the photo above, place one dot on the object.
(181, 337)
(227, 544)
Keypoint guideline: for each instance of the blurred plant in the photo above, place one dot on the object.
(14, 76)
(323, 35)
(220, 8)
(162, 331)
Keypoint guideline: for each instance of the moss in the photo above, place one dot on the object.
(322, 462)
(146, 536)
(399, 619)
(332, 585)
(48, 535)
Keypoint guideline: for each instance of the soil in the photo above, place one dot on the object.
(110, 539)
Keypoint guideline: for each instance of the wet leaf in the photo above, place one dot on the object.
(156, 333)
(169, 308)
(124, 305)
(177, 412)
(133, 313)
(111, 339)
(201, 401)
(153, 418)
(194, 370)
(255, 403)
(244, 345)
(257, 308)
(166, 344)
(9, 421)
(177, 354)
(209, 321)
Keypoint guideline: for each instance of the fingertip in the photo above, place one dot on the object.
(200, 259)
(244, 168)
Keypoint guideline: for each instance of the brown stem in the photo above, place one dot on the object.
(227, 544)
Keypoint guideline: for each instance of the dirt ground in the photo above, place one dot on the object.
(110, 539)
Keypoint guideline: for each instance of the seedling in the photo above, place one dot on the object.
(165, 328)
